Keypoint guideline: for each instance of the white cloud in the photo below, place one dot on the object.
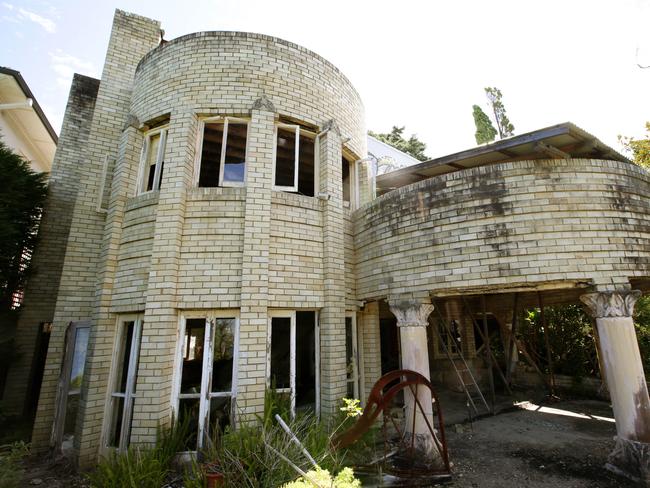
(44, 22)
(65, 65)
(20, 14)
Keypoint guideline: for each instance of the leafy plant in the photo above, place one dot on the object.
(323, 479)
(142, 466)
(11, 470)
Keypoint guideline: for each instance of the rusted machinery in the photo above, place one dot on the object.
(401, 454)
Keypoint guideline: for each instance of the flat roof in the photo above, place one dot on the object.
(559, 141)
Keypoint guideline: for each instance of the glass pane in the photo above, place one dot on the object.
(349, 352)
(117, 409)
(305, 359)
(150, 163)
(345, 174)
(280, 351)
(192, 356)
(188, 411)
(350, 393)
(235, 161)
(223, 350)
(285, 160)
(211, 155)
(79, 357)
(306, 167)
(219, 415)
(124, 356)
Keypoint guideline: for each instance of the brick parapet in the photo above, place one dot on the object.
(509, 224)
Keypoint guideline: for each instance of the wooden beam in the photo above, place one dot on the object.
(549, 357)
(552, 151)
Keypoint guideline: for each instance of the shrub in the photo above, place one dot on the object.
(11, 470)
(323, 479)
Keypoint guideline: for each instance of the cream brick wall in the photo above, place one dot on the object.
(47, 263)
(506, 225)
(88, 268)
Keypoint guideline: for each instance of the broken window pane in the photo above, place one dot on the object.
(345, 172)
(223, 352)
(79, 358)
(153, 159)
(188, 411)
(219, 414)
(193, 356)
(211, 155)
(150, 163)
(305, 360)
(306, 168)
(285, 160)
(280, 351)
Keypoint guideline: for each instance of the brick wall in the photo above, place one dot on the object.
(505, 226)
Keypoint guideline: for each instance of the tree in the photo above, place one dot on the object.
(639, 148)
(21, 203)
(395, 138)
(505, 128)
(485, 131)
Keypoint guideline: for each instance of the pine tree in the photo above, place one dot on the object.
(485, 131)
(395, 138)
(22, 196)
(504, 126)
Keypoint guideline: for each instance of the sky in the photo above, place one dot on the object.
(419, 64)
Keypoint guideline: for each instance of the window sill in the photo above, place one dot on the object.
(217, 193)
(142, 200)
(295, 200)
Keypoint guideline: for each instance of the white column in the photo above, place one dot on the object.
(627, 385)
(412, 321)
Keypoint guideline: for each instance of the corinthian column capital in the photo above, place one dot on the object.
(410, 312)
(611, 304)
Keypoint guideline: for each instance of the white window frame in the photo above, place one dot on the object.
(206, 394)
(142, 181)
(224, 141)
(296, 167)
(129, 394)
(291, 314)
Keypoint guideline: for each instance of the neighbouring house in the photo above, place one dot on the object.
(24, 128)
(23, 125)
(215, 232)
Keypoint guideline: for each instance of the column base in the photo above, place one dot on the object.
(630, 459)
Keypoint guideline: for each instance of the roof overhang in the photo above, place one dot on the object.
(29, 119)
(559, 141)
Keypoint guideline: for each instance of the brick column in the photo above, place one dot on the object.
(412, 320)
(613, 312)
(93, 411)
(152, 407)
(131, 38)
(332, 316)
(253, 322)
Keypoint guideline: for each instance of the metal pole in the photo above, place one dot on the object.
(489, 355)
(549, 357)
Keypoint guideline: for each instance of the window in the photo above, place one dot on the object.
(223, 152)
(70, 383)
(293, 362)
(208, 376)
(295, 169)
(352, 357)
(125, 372)
(153, 160)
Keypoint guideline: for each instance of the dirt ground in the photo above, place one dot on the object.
(563, 444)
(536, 447)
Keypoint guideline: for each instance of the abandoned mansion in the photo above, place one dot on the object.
(215, 227)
